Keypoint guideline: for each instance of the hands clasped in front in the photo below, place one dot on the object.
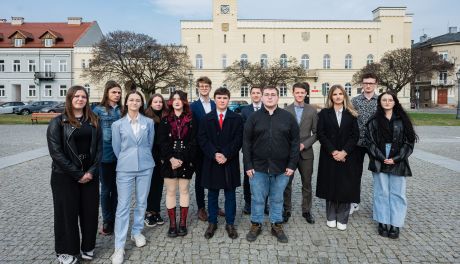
(86, 178)
(339, 155)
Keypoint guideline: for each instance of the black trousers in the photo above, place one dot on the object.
(156, 190)
(199, 190)
(74, 203)
(361, 152)
(246, 189)
(337, 211)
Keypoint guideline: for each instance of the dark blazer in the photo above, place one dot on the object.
(198, 110)
(247, 111)
(338, 181)
(307, 127)
(227, 141)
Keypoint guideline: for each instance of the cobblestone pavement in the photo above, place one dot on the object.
(431, 233)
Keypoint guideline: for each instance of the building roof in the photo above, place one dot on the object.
(68, 34)
(443, 39)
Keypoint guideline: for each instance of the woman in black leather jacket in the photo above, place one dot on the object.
(75, 146)
(390, 141)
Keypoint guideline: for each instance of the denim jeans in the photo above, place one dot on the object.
(230, 206)
(126, 181)
(108, 177)
(271, 185)
(390, 204)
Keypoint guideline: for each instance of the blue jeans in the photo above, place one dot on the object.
(213, 206)
(271, 185)
(108, 177)
(390, 204)
(126, 181)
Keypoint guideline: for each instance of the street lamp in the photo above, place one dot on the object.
(190, 82)
(458, 93)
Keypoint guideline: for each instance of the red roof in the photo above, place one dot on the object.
(69, 34)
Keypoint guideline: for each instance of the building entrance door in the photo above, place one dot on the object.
(16, 92)
(442, 96)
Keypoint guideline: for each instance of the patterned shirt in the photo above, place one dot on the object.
(366, 109)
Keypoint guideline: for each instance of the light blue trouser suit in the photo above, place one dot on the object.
(390, 204)
(126, 181)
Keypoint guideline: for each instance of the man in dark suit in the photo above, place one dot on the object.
(220, 138)
(256, 98)
(200, 108)
(307, 118)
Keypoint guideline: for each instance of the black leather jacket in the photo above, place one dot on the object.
(63, 150)
(401, 149)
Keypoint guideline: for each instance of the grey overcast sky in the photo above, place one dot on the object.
(161, 18)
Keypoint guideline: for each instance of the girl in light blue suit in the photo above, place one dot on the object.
(132, 141)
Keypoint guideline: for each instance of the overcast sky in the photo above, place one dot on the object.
(160, 18)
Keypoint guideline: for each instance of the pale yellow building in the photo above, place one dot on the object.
(331, 50)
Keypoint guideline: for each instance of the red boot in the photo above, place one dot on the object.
(172, 232)
(183, 221)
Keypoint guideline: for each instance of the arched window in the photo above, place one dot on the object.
(224, 61)
(283, 90)
(244, 90)
(305, 61)
(199, 61)
(348, 88)
(348, 61)
(283, 60)
(244, 60)
(326, 61)
(325, 87)
(264, 60)
(370, 59)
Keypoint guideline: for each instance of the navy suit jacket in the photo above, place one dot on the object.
(198, 110)
(247, 111)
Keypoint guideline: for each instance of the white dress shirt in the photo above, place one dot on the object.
(338, 114)
(206, 105)
(134, 125)
(256, 106)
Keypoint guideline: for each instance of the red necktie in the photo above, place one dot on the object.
(221, 120)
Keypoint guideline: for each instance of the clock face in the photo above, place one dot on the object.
(225, 9)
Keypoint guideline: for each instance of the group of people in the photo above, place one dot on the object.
(107, 153)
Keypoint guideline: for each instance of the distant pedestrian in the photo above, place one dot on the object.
(132, 141)
(156, 109)
(108, 111)
(75, 146)
(338, 134)
(390, 138)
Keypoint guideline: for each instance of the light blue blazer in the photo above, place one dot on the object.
(133, 154)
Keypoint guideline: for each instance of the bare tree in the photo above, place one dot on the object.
(264, 74)
(399, 67)
(137, 58)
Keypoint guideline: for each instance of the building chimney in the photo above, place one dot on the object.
(74, 20)
(17, 21)
(452, 30)
(423, 38)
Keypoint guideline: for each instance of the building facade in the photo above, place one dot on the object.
(440, 89)
(332, 51)
(37, 60)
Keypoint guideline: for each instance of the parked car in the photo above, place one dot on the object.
(236, 106)
(8, 107)
(34, 107)
(59, 108)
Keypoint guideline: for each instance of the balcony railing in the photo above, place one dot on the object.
(443, 82)
(45, 75)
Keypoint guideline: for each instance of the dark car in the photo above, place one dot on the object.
(59, 108)
(8, 107)
(236, 106)
(34, 107)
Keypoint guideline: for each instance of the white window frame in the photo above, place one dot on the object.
(283, 60)
(32, 91)
(370, 59)
(243, 59)
(326, 61)
(2, 65)
(32, 66)
(348, 87)
(199, 61)
(2, 91)
(18, 42)
(444, 55)
(224, 61)
(16, 65)
(264, 60)
(48, 65)
(305, 61)
(283, 90)
(49, 42)
(62, 65)
(48, 91)
(327, 86)
(348, 61)
(88, 89)
(62, 90)
(244, 90)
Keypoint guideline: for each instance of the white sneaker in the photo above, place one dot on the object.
(67, 259)
(341, 226)
(89, 255)
(118, 256)
(331, 223)
(354, 207)
(139, 239)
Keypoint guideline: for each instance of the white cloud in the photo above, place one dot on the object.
(183, 7)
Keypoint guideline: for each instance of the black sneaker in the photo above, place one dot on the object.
(89, 255)
(286, 216)
(158, 219)
(254, 232)
(277, 231)
(247, 209)
(150, 220)
(107, 229)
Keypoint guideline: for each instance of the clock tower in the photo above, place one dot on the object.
(225, 14)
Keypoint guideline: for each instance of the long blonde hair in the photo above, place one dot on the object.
(347, 105)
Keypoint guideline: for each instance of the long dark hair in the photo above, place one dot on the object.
(125, 109)
(105, 98)
(87, 113)
(149, 112)
(398, 111)
(183, 98)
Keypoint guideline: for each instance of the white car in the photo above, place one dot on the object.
(7, 108)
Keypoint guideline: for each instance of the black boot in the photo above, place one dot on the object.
(393, 232)
(383, 230)
(183, 221)
(172, 232)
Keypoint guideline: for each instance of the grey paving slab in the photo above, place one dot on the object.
(439, 160)
(23, 157)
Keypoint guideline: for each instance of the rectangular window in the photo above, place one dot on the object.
(263, 38)
(244, 38)
(48, 91)
(370, 38)
(89, 62)
(444, 55)
(2, 91)
(443, 77)
(225, 38)
(284, 38)
(327, 38)
(32, 66)
(83, 63)
(62, 65)
(48, 42)
(16, 65)
(199, 38)
(283, 91)
(88, 89)
(2, 65)
(244, 90)
(62, 90)
(32, 91)
(18, 42)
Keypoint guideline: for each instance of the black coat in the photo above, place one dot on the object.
(401, 148)
(227, 141)
(338, 181)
